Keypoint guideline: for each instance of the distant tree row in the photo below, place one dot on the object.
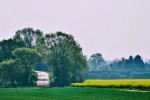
(132, 67)
(132, 63)
(97, 62)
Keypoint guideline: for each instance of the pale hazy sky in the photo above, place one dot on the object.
(115, 28)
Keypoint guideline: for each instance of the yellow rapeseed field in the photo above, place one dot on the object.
(145, 83)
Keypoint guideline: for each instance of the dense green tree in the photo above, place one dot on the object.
(117, 64)
(28, 58)
(29, 36)
(147, 65)
(33, 78)
(7, 46)
(129, 63)
(132, 63)
(65, 58)
(41, 66)
(11, 72)
(96, 61)
(139, 63)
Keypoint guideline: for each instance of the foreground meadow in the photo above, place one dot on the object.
(71, 93)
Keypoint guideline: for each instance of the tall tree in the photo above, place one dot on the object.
(7, 46)
(139, 63)
(129, 63)
(29, 36)
(27, 59)
(147, 65)
(96, 61)
(117, 64)
(11, 72)
(65, 58)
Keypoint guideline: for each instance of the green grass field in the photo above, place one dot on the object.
(71, 93)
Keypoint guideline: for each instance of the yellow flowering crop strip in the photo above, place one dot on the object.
(145, 83)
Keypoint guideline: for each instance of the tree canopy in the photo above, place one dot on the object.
(7, 46)
(96, 61)
(60, 55)
(28, 36)
(10, 72)
(27, 58)
(65, 58)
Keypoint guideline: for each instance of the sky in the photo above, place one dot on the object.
(114, 28)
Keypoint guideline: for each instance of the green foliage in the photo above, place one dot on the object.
(27, 59)
(140, 75)
(139, 63)
(96, 62)
(27, 56)
(105, 74)
(117, 64)
(65, 57)
(70, 93)
(41, 66)
(33, 78)
(51, 76)
(7, 46)
(41, 46)
(20, 70)
(10, 72)
(28, 36)
(135, 64)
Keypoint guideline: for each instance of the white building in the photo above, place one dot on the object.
(43, 78)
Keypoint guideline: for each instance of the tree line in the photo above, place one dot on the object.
(30, 50)
(126, 68)
(61, 56)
